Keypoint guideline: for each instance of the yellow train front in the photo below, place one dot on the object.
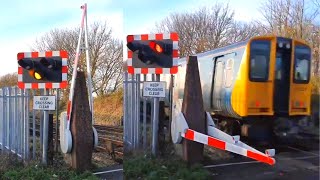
(251, 85)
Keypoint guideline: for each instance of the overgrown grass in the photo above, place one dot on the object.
(13, 168)
(144, 167)
(37, 172)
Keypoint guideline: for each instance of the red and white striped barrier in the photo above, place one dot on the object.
(75, 66)
(217, 139)
(216, 143)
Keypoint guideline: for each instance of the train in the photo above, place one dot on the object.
(258, 88)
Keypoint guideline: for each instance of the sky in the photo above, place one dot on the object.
(22, 22)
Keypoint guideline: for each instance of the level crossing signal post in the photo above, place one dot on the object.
(153, 54)
(78, 137)
(43, 70)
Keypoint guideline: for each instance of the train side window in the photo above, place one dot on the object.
(302, 64)
(259, 60)
(228, 73)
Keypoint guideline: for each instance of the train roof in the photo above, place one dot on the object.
(232, 46)
(219, 50)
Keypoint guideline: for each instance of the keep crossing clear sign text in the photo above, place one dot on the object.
(44, 102)
(154, 89)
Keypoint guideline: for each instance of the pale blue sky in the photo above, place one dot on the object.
(24, 21)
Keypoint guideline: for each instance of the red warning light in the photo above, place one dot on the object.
(156, 47)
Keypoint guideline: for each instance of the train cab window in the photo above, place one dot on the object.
(259, 60)
(302, 64)
(279, 73)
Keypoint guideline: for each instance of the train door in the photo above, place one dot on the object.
(218, 84)
(282, 78)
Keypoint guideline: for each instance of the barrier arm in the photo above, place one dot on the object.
(218, 139)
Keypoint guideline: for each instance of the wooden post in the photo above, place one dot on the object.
(192, 108)
(81, 126)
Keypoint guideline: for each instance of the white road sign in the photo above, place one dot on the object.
(154, 89)
(44, 102)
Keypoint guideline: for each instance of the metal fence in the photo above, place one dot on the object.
(16, 117)
(14, 121)
(140, 125)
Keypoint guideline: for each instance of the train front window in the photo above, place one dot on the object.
(259, 60)
(302, 58)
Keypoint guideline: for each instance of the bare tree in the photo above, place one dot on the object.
(294, 19)
(241, 31)
(8, 80)
(201, 30)
(105, 54)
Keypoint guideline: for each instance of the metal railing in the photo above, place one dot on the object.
(135, 117)
(14, 121)
(16, 117)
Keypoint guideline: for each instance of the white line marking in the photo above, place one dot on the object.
(105, 172)
(229, 164)
(297, 158)
(302, 151)
(313, 167)
(251, 162)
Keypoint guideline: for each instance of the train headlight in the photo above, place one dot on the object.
(288, 46)
(280, 45)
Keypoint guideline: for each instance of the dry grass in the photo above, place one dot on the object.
(108, 109)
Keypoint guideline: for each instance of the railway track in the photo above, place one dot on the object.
(110, 139)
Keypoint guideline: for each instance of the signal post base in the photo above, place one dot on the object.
(192, 109)
(81, 127)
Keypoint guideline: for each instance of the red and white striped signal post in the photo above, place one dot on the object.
(154, 54)
(43, 70)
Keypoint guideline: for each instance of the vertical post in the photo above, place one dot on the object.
(129, 111)
(170, 103)
(27, 124)
(88, 64)
(42, 92)
(45, 134)
(155, 125)
(138, 110)
(144, 118)
(24, 130)
(33, 129)
(57, 121)
(50, 139)
(20, 124)
(152, 112)
(125, 113)
(16, 128)
(3, 119)
(9, 118)
(133, 117)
